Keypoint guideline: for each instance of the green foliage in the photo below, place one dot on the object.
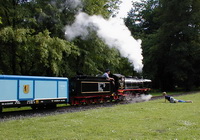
(32, 33)
(170, 33)
(105, 8)
(33, 54)
(52, 15)
(147, 120)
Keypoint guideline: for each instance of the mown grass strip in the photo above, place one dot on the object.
(145, 120)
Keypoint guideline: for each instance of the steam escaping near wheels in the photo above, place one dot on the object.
(138, 98)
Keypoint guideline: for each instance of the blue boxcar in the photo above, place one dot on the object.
(35, 91)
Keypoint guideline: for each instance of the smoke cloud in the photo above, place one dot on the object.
(112, 31)
(141, 98)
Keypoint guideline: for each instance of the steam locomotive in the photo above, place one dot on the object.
(46, 92)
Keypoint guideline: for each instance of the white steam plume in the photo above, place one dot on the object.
(141, 98)
(112, 31)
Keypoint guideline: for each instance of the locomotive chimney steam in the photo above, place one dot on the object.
(112, 31)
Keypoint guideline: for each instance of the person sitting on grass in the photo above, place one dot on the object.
(173, 100)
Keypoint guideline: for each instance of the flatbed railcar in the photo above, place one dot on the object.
(34, 91)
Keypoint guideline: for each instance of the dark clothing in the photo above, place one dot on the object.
(172, 100)
(167, 98)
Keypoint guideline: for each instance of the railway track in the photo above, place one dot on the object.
(5, 116)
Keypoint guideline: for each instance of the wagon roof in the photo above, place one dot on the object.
(31, 77)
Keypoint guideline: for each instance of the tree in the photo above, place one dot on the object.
(32, 38)
(170, 33)
(35, 54)
(25, 38)
(95, 56)
(0, 21)
(105, 8)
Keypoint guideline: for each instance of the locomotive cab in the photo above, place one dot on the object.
(119, 81)
(87, 85)
(88, 89)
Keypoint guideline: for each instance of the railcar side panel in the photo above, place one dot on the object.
(8, 90)
(45, 89)
(26, 90)
(63, 88)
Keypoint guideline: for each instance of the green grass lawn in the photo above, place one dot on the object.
(146, 120)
